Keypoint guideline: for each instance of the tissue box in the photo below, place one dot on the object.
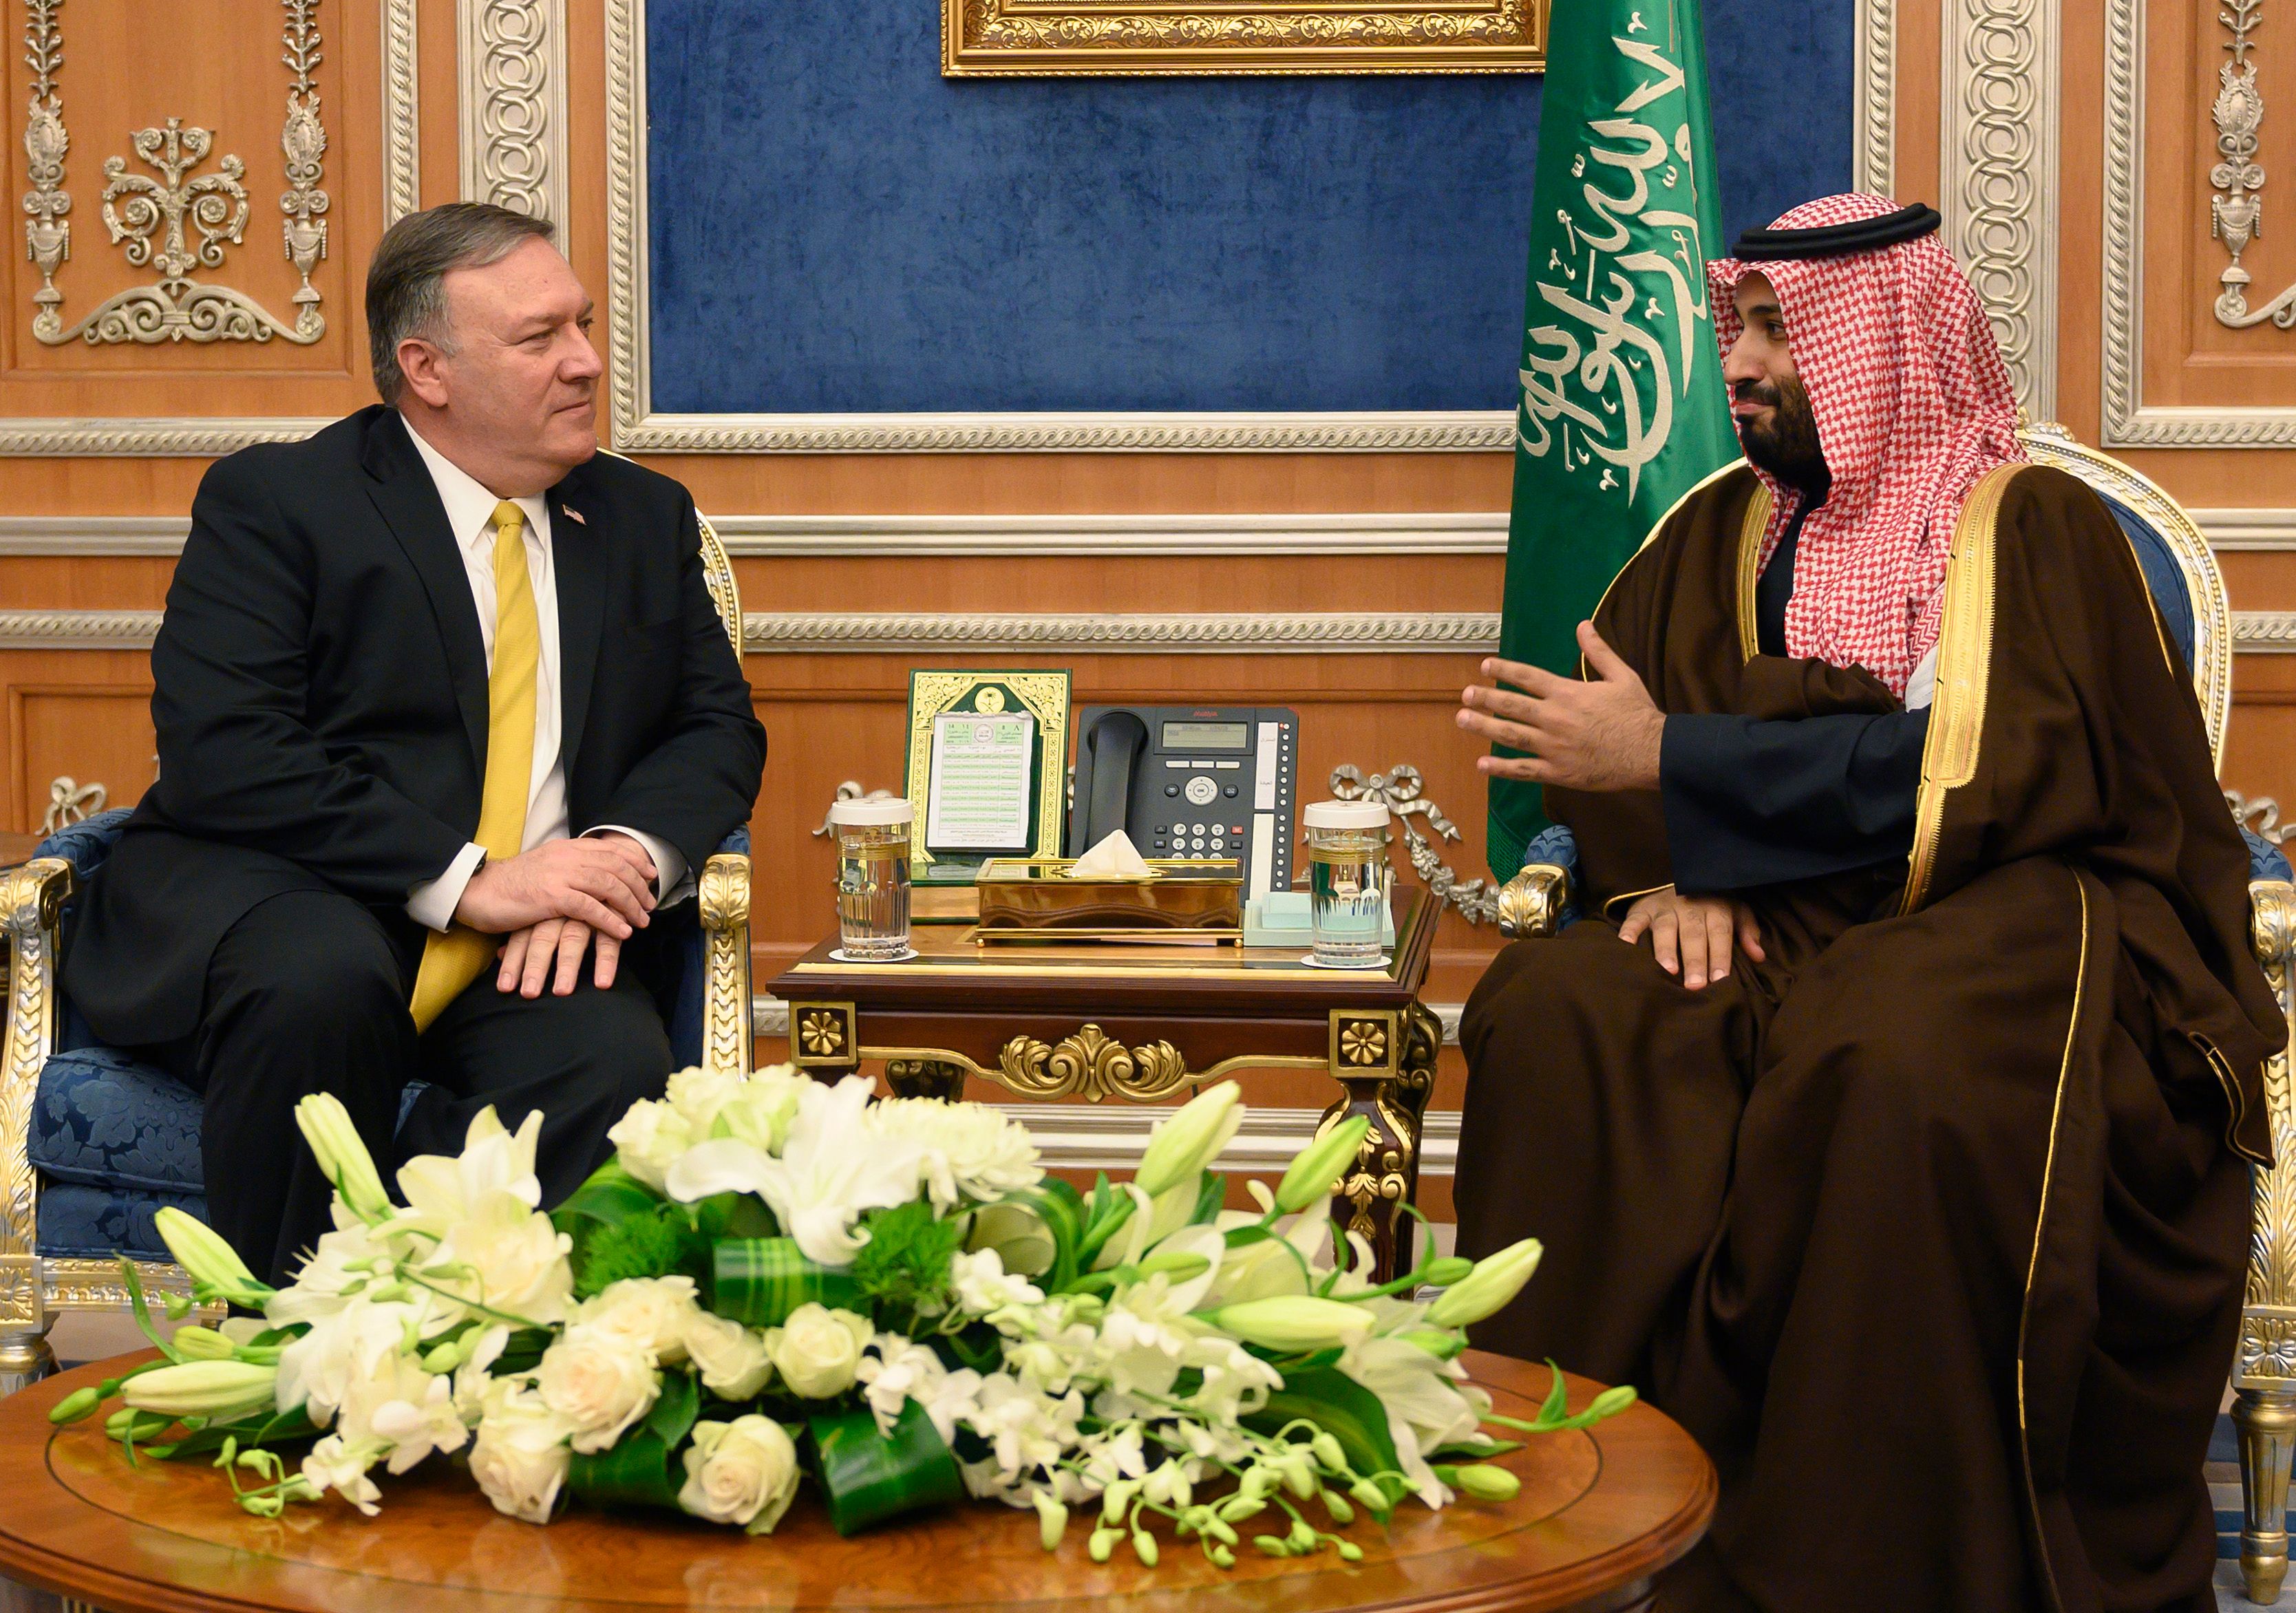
(1199, 899)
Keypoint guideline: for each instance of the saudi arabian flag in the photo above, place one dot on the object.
(1623, 407)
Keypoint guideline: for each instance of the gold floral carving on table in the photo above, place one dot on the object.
(1046, 37)
(1093, 1064)
(184, 219)
(1361, 1042)
(823, 1033)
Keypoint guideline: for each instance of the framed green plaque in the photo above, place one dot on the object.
(987, 768)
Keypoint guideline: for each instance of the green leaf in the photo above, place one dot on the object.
(761, 1280)
(866, 1477)
(1211, 1198)
(674, 1412)
(1558, 1398)
(1341, 1406)
(1477, 1449)
(735, 1215)
(1064, 1213)
(636, 1472)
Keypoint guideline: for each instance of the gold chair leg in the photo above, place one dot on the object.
(25, 1357)
(2266, 1421)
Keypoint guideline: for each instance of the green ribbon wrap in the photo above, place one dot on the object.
(760, 1281)
(866, 1477)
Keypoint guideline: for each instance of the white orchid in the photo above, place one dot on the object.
(336, 1464)
(1026, 1428)
(834, 1166)
(895, 1371)
(983, 1286)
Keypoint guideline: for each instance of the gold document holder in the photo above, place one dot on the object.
(1035, 899)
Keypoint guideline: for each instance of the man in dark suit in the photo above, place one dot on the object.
(446, 719)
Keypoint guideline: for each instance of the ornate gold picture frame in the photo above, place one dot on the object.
(1044, 38)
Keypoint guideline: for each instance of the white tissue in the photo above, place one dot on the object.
(1114, 858)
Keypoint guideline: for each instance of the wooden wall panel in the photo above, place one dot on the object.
(85, 716)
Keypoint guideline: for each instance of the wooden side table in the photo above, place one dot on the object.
(1601, 1512)
(1102, 1019)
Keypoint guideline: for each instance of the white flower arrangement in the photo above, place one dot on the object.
(778, 1281)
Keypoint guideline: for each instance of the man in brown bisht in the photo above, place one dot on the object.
(1887, 1118)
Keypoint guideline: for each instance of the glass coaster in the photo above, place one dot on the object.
(902, 956)
(1381, 962)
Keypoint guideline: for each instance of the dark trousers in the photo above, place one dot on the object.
(308, 993)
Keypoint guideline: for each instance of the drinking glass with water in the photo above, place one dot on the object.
(873, 878)
(1349, 879)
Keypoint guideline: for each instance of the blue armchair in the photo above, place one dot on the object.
(93, 1141)
(2190, 594)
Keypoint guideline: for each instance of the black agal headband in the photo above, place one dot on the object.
(1837, 240)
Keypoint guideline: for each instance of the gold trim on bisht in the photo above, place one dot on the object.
(1756, 523)
(1964, 652)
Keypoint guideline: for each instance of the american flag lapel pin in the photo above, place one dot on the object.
(575, 515)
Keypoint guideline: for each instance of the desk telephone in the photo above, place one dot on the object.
(1190, 782)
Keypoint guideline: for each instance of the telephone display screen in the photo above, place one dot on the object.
(1207, 736)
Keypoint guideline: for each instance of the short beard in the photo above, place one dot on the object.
(1786, 445)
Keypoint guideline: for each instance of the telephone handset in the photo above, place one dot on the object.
(1192, 783)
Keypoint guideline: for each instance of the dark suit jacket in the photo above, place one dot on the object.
(320, 692)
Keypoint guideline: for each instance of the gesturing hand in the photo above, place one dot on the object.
(1595, 735)
(1691, 936)
(527, 957)
(606, 881)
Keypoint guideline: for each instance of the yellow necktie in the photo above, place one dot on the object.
(451, 961)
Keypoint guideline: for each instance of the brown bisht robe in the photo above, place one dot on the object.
(1931, 1228)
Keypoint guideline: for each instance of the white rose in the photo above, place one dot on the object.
(743, 1471)
(698, 1094)
(651, 1312)
(600, 1382)
(731, 1358)
(817, 1351)
(649, 1139)
(520, 1457)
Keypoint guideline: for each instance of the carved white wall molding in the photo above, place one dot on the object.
(2129, 423)
(1998, 146)
(1254, 633)
(510, 72)
(201, 437)
(636, 428)
(402, 112)
(900, 537)
(796, 632)
(155, 221)
(180, 437)
(1873, 146)
(2264, 632)
(2237, 211)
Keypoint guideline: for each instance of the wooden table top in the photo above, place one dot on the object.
(1600, 1511)
(1112, 976)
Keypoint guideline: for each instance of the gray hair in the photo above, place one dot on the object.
(405, 294)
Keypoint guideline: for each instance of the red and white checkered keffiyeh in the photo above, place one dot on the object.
(1913, 406)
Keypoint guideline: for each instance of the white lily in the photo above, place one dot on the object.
(834, 1166)
(1425, 1408)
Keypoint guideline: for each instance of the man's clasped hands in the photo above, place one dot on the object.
(1602, 734)
(547, 904)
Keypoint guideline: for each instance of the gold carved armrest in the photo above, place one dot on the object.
(1531, 903)
(724, 903)
(31, 905)
(2268, 1329)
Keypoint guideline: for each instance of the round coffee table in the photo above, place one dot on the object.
(1601, 1511)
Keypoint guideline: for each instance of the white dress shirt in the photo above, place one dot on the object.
(470, 517)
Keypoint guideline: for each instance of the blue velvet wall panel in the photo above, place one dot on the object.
(836, 228)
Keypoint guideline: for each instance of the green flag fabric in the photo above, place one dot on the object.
(1623, 407)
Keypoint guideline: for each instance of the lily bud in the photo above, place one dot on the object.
(1447, 1270)
(202, 1344)
(1317, 1168)
(213, 1264)
(1483, 1482)
(1191, 1138)
(1144, 1547)
(1489, 1288)
(1103, 1543)
(221, 1391)
(74, 1407)
(1438, 1342)
(1294, 1322)
(1174, 1263)
(344, 1159)
(1051, 1520)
